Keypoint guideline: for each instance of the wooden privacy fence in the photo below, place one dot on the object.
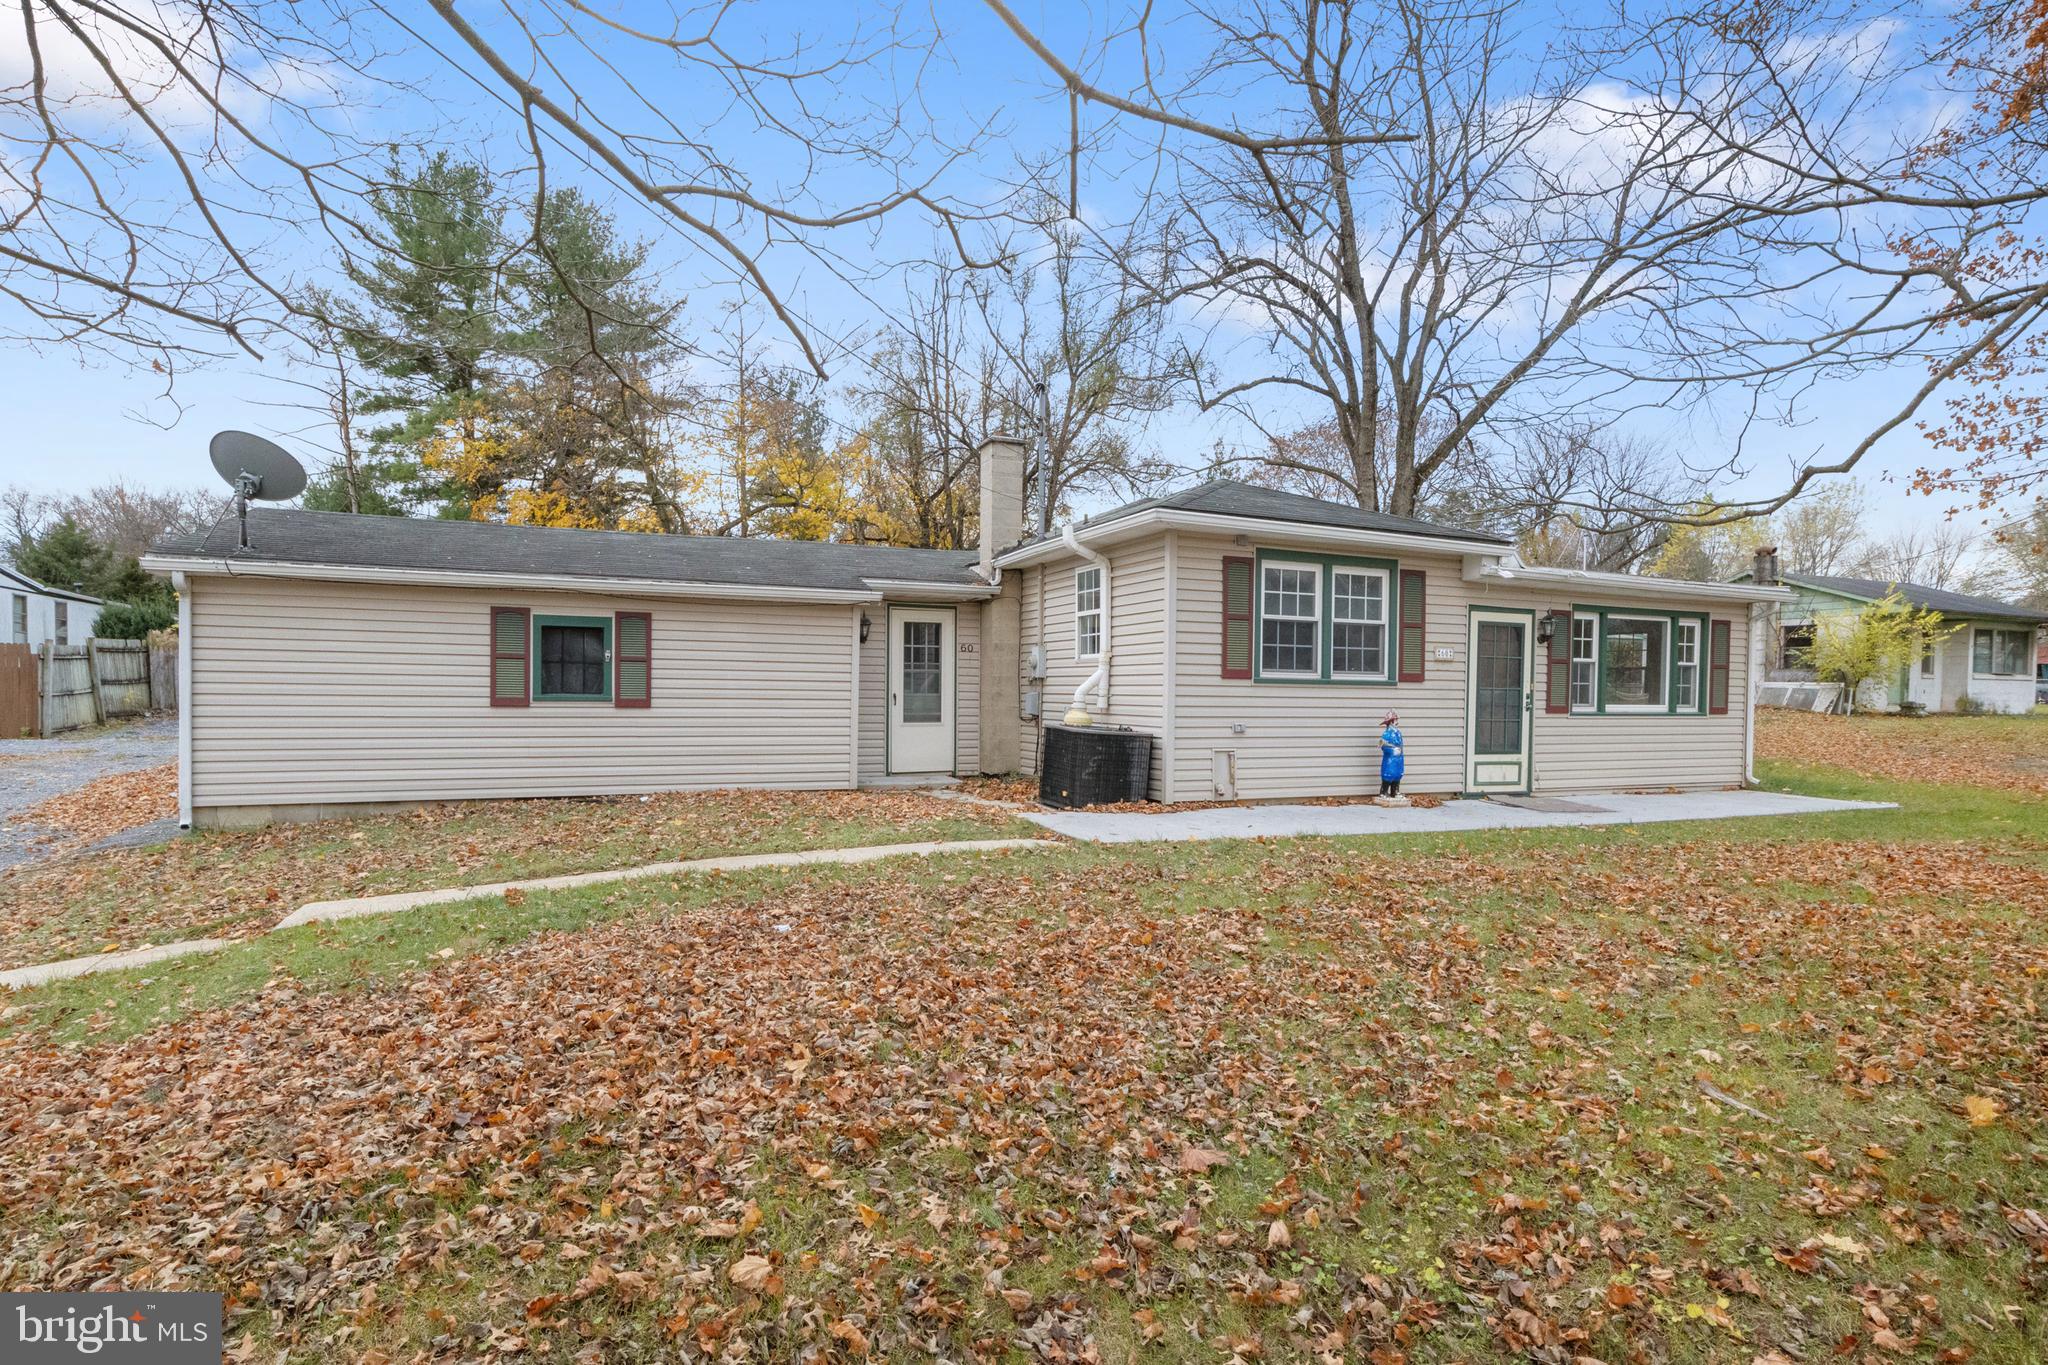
(19, 707)
(68, 686)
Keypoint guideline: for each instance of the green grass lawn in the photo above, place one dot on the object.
(1705, 1092)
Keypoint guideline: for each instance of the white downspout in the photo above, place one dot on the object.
(1754, 677)
(183, 587)
(1098, 681)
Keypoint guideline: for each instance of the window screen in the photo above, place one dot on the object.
(572, 661)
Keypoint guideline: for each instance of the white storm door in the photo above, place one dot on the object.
(1500, 697)
(921, 702)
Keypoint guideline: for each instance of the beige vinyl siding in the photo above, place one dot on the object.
(1310, 739)
(1316, 739)
(1137, 622)
(309, 693)
(874, 690)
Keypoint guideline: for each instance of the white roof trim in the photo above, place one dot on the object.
(1594, 582)
(1298, 532)
(464, 578)
(36, 589)
(912, 587)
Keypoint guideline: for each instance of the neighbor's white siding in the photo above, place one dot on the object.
(2011, 695)
(314, 694)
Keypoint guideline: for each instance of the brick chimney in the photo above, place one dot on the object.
(1002, 497)
(1764, 566)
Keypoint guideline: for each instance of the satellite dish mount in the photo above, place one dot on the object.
(255, 468)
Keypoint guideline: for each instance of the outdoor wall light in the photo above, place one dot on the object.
(1546, 627)
(865, 626)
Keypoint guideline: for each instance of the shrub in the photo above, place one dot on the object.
(133, 620)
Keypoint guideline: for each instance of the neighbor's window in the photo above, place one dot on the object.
(1685, 666)
(1634, 650)
(2000, 653)
(1795, 644)
(1288, 618)
(63, 623)
(20, 634)
(1927, 658)
(572, 658)
(1358, 623)
(1585, 657)
(1087, 613)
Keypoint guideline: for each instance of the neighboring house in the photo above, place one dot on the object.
(37, 615)
(1990, 658)
(344, 662)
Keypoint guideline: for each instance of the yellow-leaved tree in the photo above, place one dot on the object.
(1854, 648)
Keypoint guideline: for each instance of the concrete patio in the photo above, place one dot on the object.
(1284, 821)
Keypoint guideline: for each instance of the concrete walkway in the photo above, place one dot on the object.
(1279, 822)
(413, 900)
(16, 977)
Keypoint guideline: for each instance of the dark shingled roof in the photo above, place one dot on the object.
(288, 535)
(1230, 498)
(1934, 599)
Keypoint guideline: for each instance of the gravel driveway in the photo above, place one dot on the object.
(34, 770)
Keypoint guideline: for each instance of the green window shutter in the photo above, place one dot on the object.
(632, 659)
(511, 637)
(1717, 669)
(1413, 604)
(1237, 616)
(1557, 695)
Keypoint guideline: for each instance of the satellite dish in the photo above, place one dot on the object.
(271, 474)
(255, 468)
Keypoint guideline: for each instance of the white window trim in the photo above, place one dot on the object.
(1662, 708)
(1680, 628)
(1591, 705)
(1080, 615)
(1329, 646)
(1314, 619)
(2027, 651)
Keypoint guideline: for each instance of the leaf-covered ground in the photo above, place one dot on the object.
(230, 882)
(2008, 752)
(1738, 1091)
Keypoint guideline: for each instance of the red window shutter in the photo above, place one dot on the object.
(1413, 605)
(1717, 669)
(1237, 616)
(511, 656)
(1557, 695)
(633, 659)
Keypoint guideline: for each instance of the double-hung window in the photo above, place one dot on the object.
(1358, 623)
(1634, 655)
(1685, 666)
(1290, 616)
(1585, 661)
(1087, 613)
(2000, 653)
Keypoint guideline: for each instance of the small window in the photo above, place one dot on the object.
(1927, 658)
(1289, 616)
(20, 632)
(1087, 613)
(572, 658)
(1795, 645)
(63, 623)
(1358, 623)
(2000, 653)
(1634, 651)
(1585, 659)
(1685, 666)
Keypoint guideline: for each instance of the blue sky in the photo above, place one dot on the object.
(77, 420)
